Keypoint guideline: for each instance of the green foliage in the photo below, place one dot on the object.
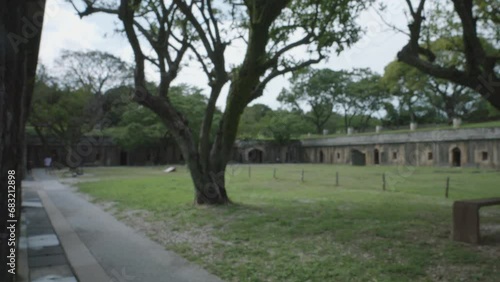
(330, 24)
(362, 96)
(318, 89)
(426, 99)
(252, 124)
(95, 71)
(260, 121)
(61, 113)
(356, 95)
(72, 104)
(283, 125)
(444, 22)
(190, 101)
(114, 104)
(407, 85)
(140, 127)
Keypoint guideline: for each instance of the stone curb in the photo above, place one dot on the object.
(84, 265)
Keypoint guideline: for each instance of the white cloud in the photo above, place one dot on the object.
(63, 29)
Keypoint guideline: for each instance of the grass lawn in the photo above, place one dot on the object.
(287, 230)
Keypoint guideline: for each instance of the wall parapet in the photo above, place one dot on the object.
(492, 133)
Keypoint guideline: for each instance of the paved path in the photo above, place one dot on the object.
(93, 239)
(44, 254)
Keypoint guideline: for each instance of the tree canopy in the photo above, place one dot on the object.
(474, 25)
(94, 71)
(318, 89)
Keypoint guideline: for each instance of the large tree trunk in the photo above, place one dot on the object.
(210, 188)
(210, 185)
(20, 30)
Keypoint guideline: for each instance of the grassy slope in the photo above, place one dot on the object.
(285, 230)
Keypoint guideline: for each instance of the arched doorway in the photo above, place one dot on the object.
(255, 156)
(123, 158)
(376, 157)
(321, 157)
(456, 157)
(358, 158)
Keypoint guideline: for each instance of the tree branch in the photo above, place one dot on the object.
(258, 91)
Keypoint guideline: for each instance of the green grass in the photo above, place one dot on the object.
(287, 230)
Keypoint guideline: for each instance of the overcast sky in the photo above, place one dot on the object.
(63, 29)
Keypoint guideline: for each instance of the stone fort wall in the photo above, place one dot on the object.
(478, 147)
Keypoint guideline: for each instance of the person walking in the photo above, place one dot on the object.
(48, 164)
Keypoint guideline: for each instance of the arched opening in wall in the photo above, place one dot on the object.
(456, 157)
(358, 158)
(255, 156)
(123, 158)
(321, 157)
(376, 156)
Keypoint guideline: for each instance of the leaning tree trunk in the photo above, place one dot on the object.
(208, 181)
(20, 30)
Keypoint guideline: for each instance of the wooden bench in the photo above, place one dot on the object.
(466, 219)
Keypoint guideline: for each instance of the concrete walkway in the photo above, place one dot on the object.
(45, 256)
(100, 248)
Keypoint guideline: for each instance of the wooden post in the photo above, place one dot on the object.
(447, 187)
(383, 181)
(337, 179)
(302, 176)
(466, 222)
(274, 173)
(249, 171)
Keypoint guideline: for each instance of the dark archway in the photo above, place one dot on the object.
(321, 157)
(376, 157)
(255, 156)
(358, 158)
(456, 157)
(123, 158)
